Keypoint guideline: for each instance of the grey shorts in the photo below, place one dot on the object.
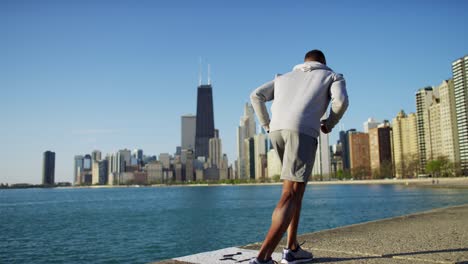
(296, 152)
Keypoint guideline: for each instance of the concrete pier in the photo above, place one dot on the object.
(436, 236)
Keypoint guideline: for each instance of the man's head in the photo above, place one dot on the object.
(315, 55)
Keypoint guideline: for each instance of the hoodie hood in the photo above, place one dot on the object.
(310, 66)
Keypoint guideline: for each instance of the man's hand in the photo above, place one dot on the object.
(324, 127)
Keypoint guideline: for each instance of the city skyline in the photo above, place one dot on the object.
(106, 100)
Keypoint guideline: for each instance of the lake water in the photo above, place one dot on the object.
(140, 225)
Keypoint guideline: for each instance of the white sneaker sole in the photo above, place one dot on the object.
(283, 261)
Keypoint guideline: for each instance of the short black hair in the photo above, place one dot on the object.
(315, 55)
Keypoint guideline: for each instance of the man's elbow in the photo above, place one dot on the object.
(255, 98)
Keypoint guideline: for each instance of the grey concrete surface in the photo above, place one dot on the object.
(436, 236)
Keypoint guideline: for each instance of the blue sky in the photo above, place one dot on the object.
(82, 75)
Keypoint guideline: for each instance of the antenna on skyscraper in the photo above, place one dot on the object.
(199, 71)
(209, 79)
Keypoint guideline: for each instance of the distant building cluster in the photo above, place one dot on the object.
(431, 142)
(198, 158)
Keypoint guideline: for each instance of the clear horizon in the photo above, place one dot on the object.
(108, 75)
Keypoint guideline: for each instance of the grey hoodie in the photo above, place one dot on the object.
(300, 99)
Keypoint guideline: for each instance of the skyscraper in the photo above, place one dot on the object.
(204, 121)
(260, 151)
(423, 102)
(322, 163)
(460, 84)
(405, 145)
(188, 127)
(359, 154)
(380, 150)
(344, 139)
(77, 168)
(96, 155)
(448, 121)
(215, 150)
(48, 168)
(245, 130)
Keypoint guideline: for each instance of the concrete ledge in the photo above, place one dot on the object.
(436, 236)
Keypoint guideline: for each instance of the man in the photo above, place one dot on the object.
(300, 99)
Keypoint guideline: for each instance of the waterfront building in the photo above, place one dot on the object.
(369, 124)
(155, 172)
(137, 154)
(48, 168)
(96, 155)
(249, 158)
(336, 158)
(165, 159)
(99, 172)
(87, 162)
(322, 163)
(189, 166)
(77, 168)
(178, 171)
(140, 177)
(424, 98)
(359, 154)
(215, 150)
(188, 130)
(344, 139)
(260, 151)
(246, 129)
(405, 145)
(204, 121)
(448, 121)
(274, 163)
(224, 168)
(380, 150)
(460, 86)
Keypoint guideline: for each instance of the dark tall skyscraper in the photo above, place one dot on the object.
(344, 139)
(205, 120)
(48, 168)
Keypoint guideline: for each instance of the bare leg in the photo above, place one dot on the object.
(281, 218)
(292, 228)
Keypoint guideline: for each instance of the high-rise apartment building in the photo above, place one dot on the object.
(165, 159)
(380, 150)
(260, 151)
(424, 99)
(405, 145)
(245, 130)
(204, 120)
(344, 139)
(188, 130)
(274, 163)
(249, 158)
(448, 123)
(100, 172)
(77, 168)
(48, 168)
(96, 155)
(322, 163)
(460, 87)
(359, 154)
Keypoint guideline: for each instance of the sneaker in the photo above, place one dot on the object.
(296, 256)
(256, 261)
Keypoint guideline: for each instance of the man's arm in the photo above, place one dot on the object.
(339, 102)
(258, 98)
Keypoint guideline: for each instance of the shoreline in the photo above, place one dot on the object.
(455, 183)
